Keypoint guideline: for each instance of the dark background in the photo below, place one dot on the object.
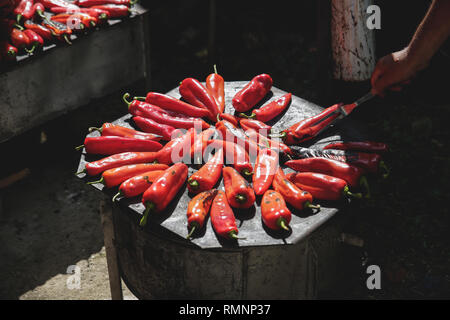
(405, 225)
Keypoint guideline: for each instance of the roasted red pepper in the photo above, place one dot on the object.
(274, 212)
(177, 149)
(91, 3)
(216, 87)
(270, 110)
(36, 40)
(265, 168)
(8, 52)
(44, 32)
(222, 217)
(151, 126)
(24, 10)
(259, 126)
(235, 155)
(365, 146)
(164, 189)
(239, 192)
(353, 175)
(59, 30)
(370, 162)
(208, 175)
(198, 209)
(295, 196)
(322, 186)
(146, 110)
(172, 104)
(115, 176)
(196, 94)
(114, 11)
(109, 129)
(117, 160)
(252, 93)
(137, 185)
(108, 145)
(200, 143)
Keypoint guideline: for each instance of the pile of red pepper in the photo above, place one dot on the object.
(27, 25)
(151, 162)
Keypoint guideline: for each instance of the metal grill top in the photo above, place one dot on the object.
(172, 223)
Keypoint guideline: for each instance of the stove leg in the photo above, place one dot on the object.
(115, 281)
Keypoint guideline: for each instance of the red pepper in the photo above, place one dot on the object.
(252, 93)
(370, 162)
(170, 103)
(137, 185)
(75, 20)
(117, 160)
(259, 126)
(322, 186)
(114, 11)
(164, 189)
(38, 10)
(146, 110)
(48, 4)
(274, 212)
(195, 93)
(270, 110)
(151, 126)
(8, 52)
(200, 143)
(233, 134)
(239, 193)
(208, 175)
(44, 32)
(109, 129)
(235, 155)
(268, 143)
(96, 13)
(19, 39)
(295, 196)
(109, 145)
(365, 146)
(24, 10)
(222, 217)
(115, 176)
(230, 118)
(265, 168)
(59, 30)
(353, 175)
(177, 149)
(35, 39)
(216, 87)
(198, 209)
(91, 3)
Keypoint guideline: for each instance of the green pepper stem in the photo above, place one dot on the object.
(194, 226)
(19, 17)
(79, 147)
(193, 183)
(246, 172)
(282, 223)
(118, 194)
(243, 115)
(384, 168)
(124, 97)
(233, 235)
(347, 193)
(132, 2)
(139, 98)
(365, 185)
(31, 50)
(103, 16)
(240, 198)
(281, 134)
(66, 38)
(97, 181)
(18, 26)
(95, 129)
(148, 207)
(215, 69)
(92, 23)
(82, 171)
(312, 206)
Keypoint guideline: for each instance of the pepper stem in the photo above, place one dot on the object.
(31, 50)
(79, 147)
(233, 235)
(384, 168)
(103, 16)
(193, 183)
(282, 223)
(97, 181)
(95, 129)
(148, 206)
(92, 23)
(312, 206)
(194, 225)
(66, 38)
(18, 26)
(347, 193)
(246, 172)
(124, 97)
(365, 185)
(139, 98)
(133, 2)
(19, 17)
(281, 134)
(215, 69)
(243, 115)
(240, 198)
(82, 171)
(118, 194)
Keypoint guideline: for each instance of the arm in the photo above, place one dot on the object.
(397, 68)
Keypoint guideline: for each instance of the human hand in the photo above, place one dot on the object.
(393, 71)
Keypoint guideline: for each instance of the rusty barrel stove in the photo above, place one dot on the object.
(158, 262)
